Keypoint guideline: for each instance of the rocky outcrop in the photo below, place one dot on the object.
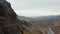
(55, 27)
(9, 24)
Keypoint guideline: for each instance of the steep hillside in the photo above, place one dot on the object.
(33, 25)
(25, 18)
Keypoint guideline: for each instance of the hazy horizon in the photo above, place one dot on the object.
(36, 7)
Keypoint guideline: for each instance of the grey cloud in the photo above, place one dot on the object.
(32, 4)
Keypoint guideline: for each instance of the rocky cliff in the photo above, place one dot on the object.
(9, 24)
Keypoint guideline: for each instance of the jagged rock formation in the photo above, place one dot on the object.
(9, 24)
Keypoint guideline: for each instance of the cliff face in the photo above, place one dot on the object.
(6, 9)
(9, 24)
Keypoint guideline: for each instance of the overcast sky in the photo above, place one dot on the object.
(36, 7)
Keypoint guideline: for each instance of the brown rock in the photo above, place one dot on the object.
(9, 24)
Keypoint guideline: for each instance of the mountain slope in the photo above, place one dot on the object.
(34, 27)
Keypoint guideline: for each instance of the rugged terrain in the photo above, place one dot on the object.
(44, 23)
(11, 23)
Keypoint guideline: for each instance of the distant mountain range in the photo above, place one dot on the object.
(48, 17)
(46, 20)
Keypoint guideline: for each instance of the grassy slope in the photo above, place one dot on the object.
(39, 28)
(34, 24)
